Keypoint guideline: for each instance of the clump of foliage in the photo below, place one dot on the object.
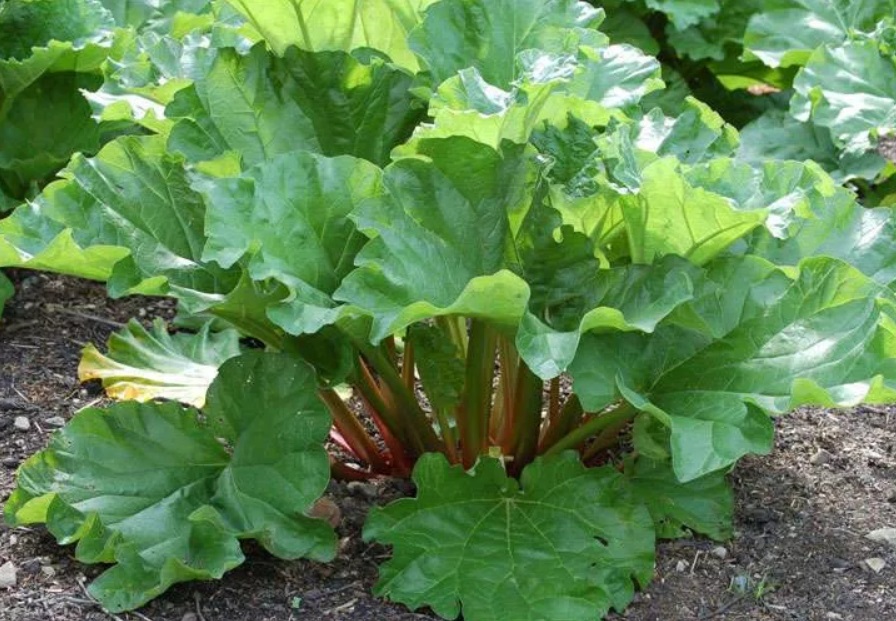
(451, 217)
(830, 65)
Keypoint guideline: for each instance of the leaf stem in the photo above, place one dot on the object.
(527, 403)
(563, 423)
(473, 414)
(353, 431)
(622, 413)
(412, 417)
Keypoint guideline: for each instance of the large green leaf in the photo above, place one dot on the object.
(444, 237)
(135, 195)
(146, 364)
(674, 217)
(489, 34)
(563, 544)
(44, 126)
(291, 214)
(786, 32)
(753, 343)
(152, 489)
(776, 135)
(850, 89)
(338, 25)
(260, 106)
(30, 238)
(715, 36)
(589, 86)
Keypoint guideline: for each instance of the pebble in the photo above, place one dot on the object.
(719, 552)
(22, 423)
(875, 564)
(681, 566)
(833, 616)
(190, 616)
(821, 457)
(48, 570)
(883, 535)
(11, 462)
(359, 488)
(55, 421)
(7, 575)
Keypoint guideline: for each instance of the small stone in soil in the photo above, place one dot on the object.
(11, 462)
(190, 616)
(681, 566)
(720, 552)
(55, 421)
(875, 564)
(883, 535)
(359, 488)
(821, 457)
(22, 423)
(833, 615)
(7, 575)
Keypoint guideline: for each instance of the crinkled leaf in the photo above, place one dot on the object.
(30, 238)
(135, 195)
(684, 13)
(291, 214)
(28, 24)
(776, 135)
(675, 217)
(45, 124)
(752, 344)
(338, 25)
(786, 32)
(625, 26)
(444, 232)
(705, 505)
(715, 36)
(151, 489)
(260, 106)
(489, 34)
(565, 543)
(145, 364)
(850, 89)
(589, 86)
(836, 225)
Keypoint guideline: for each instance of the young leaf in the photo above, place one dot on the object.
(565, 543)
(152, 489)
(684, 13)
(152, 364)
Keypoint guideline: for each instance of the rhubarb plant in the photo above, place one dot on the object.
(563, 312)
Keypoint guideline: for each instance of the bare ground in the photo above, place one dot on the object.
(799, 554)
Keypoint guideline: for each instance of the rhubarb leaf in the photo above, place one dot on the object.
(152, 489)
(146, 364)
(563, 543)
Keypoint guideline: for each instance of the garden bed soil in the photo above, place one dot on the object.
(800, 552)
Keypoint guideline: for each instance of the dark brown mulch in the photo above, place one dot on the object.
(799, 553)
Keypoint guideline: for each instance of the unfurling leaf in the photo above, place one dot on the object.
(152, 364)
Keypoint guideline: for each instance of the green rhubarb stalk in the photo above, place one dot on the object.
(623, 412)
(474, 410)
(527, 417)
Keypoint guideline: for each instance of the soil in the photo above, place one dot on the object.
(800, 552)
